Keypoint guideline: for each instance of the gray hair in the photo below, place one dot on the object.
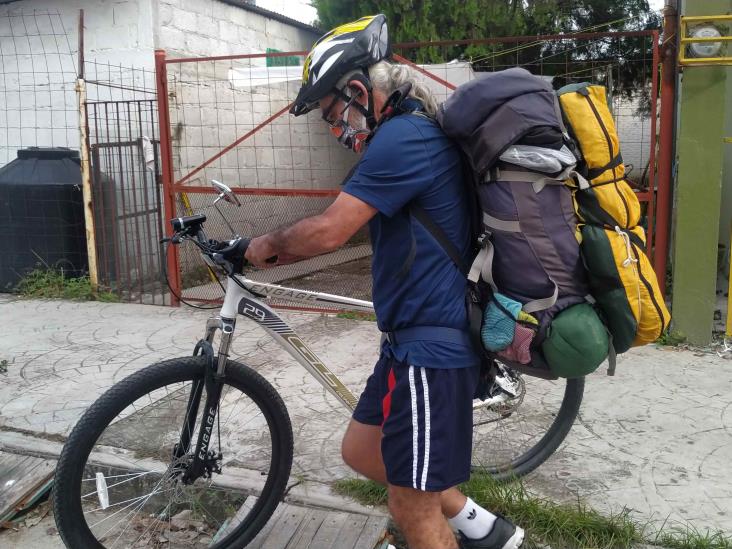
(387, 77)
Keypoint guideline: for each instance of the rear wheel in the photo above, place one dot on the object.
(118, 486)
(512, 436)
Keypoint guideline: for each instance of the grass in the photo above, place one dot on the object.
(357, 316)
(671, 338)
(52, 283)
(565, 526)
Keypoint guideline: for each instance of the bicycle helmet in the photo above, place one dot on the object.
(355, 45)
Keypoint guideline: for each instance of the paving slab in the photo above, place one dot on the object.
(656, 438)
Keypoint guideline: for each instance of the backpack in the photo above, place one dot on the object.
(540, 255)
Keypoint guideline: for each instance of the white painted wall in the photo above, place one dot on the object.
(214, 103)
(634, 132)
(39, 63)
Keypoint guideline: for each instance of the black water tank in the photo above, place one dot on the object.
(41, 215)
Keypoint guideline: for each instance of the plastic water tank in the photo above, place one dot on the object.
(41, 215)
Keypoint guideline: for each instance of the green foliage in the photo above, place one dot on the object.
(569, 60)
(366, 492)
(671, 338)
(352, 315)
(558, 525)
(50, 283)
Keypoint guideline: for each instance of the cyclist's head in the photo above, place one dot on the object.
(346, 49)
(349, 77)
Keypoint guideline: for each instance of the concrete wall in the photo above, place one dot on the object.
(634, 132)
(215, 103)
(39, 62)
(211, 27)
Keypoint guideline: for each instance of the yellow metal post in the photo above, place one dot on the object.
(686, 40)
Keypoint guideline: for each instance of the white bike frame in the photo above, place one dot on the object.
(245, 298)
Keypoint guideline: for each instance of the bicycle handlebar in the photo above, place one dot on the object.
(227, 254)
(181, 224)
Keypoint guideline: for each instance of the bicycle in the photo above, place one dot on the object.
(207, 441)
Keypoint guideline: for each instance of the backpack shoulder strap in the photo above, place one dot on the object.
(421, 215)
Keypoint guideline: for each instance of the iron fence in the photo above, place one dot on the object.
(124, 150)
(225, 118)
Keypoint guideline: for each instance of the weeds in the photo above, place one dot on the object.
(50, 283)
(357, 316)
(565, 526)
(3, 366)
(366, 492)
(671, 338)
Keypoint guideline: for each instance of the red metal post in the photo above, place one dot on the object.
(652, 158)
(666, 140)
(166, 157)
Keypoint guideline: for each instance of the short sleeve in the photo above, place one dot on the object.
(394, 169)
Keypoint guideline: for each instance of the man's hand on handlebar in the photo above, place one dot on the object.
(262, 253)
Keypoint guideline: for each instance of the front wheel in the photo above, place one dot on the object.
(513, 436)
(119, 485)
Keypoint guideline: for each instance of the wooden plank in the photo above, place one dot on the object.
(265, 531)
(351, 530)
(285, 528)
(373, 531)
(308, 528)
(327, 535)
(20, 477)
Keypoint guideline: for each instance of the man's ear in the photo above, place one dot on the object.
(357, 88)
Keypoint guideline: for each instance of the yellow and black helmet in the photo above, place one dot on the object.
(355, 45)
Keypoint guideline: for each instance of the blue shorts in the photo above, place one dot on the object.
(426, 417)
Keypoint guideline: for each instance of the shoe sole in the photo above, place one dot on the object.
(516, 541)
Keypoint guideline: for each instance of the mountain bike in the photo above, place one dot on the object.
(199, 449)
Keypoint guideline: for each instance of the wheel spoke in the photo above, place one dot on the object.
(139, 485)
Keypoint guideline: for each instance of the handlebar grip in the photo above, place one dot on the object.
(182, 223)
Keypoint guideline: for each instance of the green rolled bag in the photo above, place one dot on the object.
(576, 342)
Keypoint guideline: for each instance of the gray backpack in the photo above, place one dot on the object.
(509, 128)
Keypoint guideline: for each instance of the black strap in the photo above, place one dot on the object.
(419, 213)
(614, 163)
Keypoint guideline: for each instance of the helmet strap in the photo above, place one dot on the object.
(368, 111)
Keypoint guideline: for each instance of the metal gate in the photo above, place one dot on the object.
(126, 183)
(222, 118)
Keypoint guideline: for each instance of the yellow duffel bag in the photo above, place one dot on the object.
(590, 123)
(623, 283)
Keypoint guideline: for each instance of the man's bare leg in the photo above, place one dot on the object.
(419, 516)
(361, 450)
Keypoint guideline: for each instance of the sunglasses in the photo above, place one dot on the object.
(338, 126)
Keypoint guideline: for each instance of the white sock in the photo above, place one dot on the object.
(473, 521)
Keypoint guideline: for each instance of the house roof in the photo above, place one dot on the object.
(273, 15)
(254, 9)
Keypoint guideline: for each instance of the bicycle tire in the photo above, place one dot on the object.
(67, 504)
(532, 457)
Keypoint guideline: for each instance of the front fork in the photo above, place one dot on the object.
(205, 461)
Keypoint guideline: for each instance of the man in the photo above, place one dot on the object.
(412, 428)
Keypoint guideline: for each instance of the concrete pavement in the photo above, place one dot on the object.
(656, 438)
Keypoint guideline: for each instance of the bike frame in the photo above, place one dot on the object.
(243, 297)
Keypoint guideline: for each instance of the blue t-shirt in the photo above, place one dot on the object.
(410, 159)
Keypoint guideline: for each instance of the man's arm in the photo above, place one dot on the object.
(313, 235)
